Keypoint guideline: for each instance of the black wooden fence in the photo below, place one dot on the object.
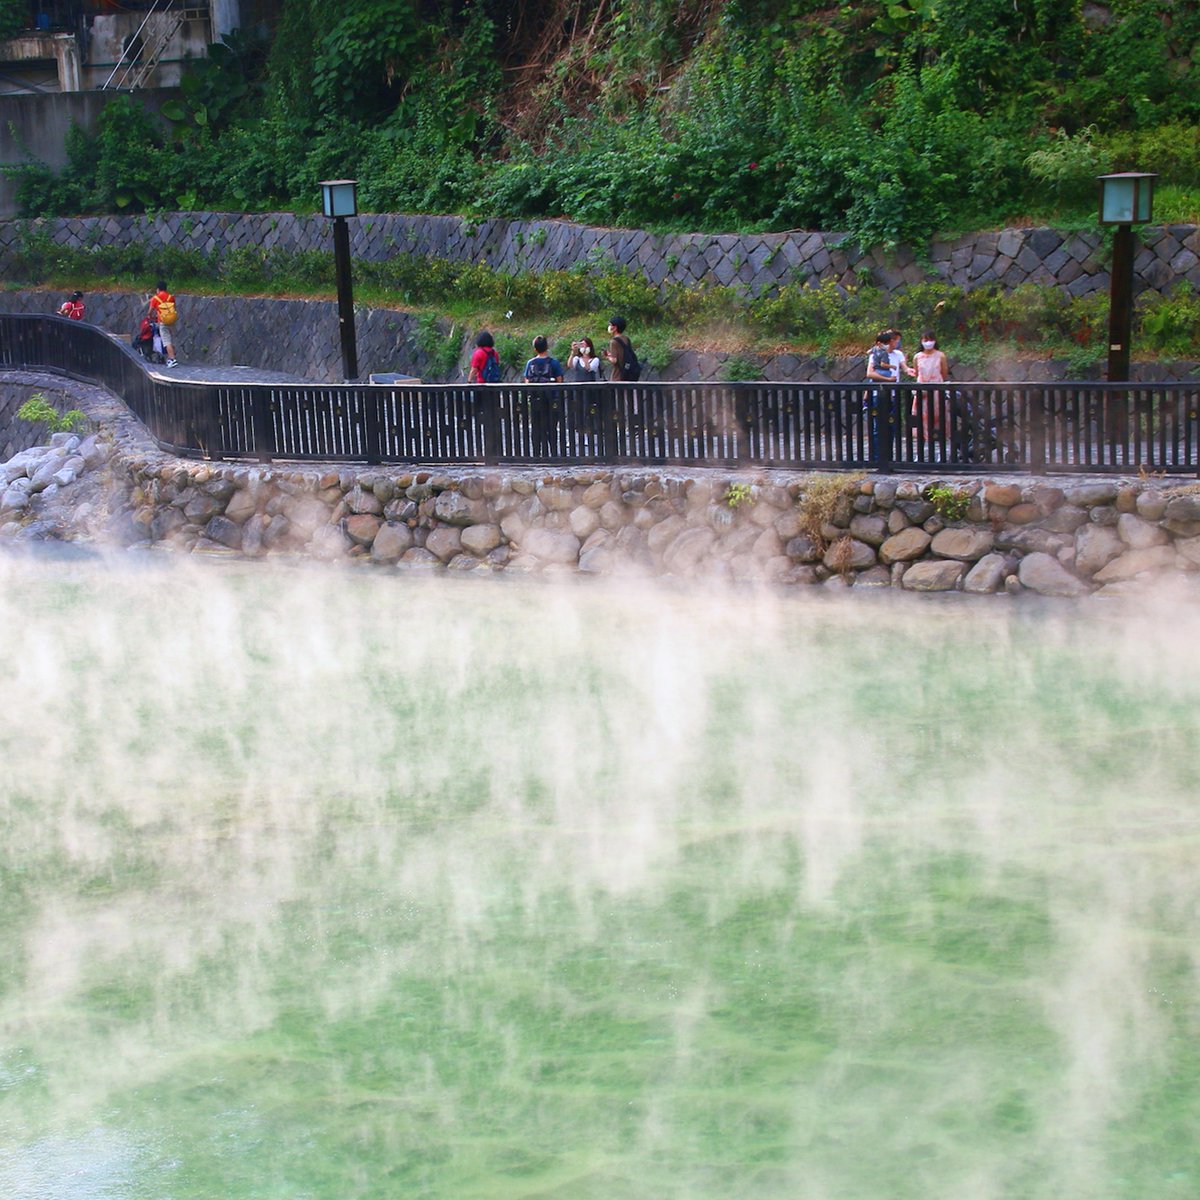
(1038, 427)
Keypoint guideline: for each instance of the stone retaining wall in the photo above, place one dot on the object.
(1011, 535)
(301, 337)
(1076, 262)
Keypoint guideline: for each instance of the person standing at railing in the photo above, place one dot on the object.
(932, 367)
(620, 353)
(72, 308)
(163, 314)
(584, 364)
(542, 367)
(485, 362)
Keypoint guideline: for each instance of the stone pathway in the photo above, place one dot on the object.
(208, 373)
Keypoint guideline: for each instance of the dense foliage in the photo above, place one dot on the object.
(892, 120)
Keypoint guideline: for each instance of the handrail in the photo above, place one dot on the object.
(1080, 427)
(134, 41)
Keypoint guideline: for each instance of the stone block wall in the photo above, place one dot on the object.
(1076, 261)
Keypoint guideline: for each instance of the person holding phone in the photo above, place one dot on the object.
(583, 366)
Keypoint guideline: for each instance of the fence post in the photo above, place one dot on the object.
(369, 397)
(486, 402)
(212, 423)
(260, 422)
(1036, 413)
(883, 424)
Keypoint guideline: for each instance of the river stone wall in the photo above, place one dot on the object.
(300, 337)
(757, 262)
(1059, 538)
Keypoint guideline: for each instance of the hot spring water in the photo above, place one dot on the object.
(322, 885)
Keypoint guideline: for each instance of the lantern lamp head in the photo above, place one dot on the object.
(339, 197)
(1126, 198)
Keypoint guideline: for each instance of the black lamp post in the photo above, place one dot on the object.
(341, 201)
(1126, 199)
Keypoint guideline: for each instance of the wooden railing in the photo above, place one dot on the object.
(997, 427)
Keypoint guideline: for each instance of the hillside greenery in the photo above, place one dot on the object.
(892, 121)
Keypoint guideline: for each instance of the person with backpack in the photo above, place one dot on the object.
(72, 308)
(485, 362)
(625, 365)
(542, 368)
(163, 314)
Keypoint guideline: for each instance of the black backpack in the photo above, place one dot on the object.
(631, 369)
(491, 368)
(540, 370)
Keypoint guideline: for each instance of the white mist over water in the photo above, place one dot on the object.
(522, 888)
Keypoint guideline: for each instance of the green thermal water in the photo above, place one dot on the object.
(325, 885)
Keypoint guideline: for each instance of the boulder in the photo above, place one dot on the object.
(362, 528)
(1045, 575)
(686, 551)
(1188, 550)
(803, 548)
(1183, 508)
(419, 558)
(1004, 495)
(934, 576)
(1095, 547)
(453, 508)
(1151, 504)
(874, 577)
(848, 554)
(660, 536)
(1134, 562)
(1066, 519)
(964, 543)
(1023, 514)
(584, 521)
(550, 546)
(224, 532)
(557, 499)
(359, 500)
(987, 575)
(445, 541)
(1138, 534)
(483, 539)
(391, 542)
(905, 546)
(241, 506)
(1087, 495)
(871, 529)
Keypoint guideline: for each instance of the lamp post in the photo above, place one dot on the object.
(341, 201)
(1126, 199)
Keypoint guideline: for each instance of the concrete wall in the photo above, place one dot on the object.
(34, 128)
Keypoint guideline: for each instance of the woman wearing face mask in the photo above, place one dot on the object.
(932, 367)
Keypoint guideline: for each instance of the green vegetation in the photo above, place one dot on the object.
(39, 409)
(739, 494)
(891, 121)
(950, 502)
